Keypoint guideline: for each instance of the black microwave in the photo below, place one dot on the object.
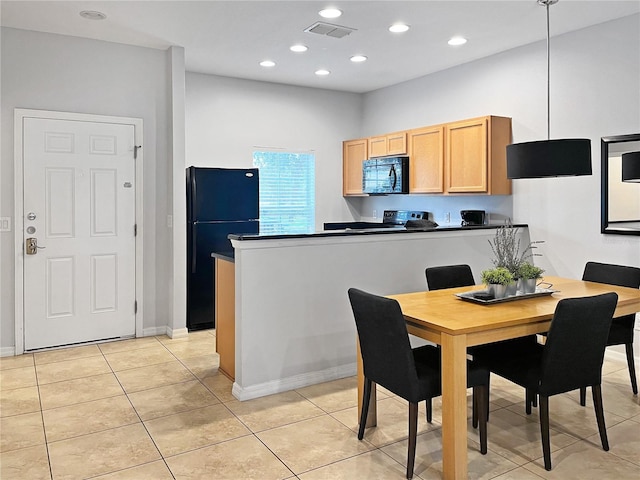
(385, 175)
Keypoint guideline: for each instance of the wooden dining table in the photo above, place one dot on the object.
(441, 317)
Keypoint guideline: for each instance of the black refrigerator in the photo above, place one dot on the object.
(220, 201)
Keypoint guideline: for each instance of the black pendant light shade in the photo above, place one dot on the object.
(549, 158)
(631, 167)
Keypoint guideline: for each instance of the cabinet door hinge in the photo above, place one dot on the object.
(135, 229)
(135, 307)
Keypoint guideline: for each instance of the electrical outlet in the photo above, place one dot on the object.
(5, 224)
(375, 214)
(447, 217)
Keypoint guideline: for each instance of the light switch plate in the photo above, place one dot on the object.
(5, 224)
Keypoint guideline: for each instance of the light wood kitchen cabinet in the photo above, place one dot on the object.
(426, 160)
(475, 156)
(457, 158)
(354, 152)
(225, 316)
(390, 144)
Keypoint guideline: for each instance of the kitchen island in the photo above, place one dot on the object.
(293, 321)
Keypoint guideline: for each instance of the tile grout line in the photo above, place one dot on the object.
(139, 418)
(44, 429)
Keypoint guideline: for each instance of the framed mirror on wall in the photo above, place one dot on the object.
(620, 200)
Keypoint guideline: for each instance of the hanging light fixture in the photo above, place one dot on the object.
(549, 158)
(631, 167)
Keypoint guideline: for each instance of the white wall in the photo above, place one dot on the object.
(56, 72)
(595, 92)
(227, 119)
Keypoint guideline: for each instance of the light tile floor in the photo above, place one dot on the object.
(156, 408)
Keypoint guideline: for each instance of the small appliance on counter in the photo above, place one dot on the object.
(472, 217)
(390, 219)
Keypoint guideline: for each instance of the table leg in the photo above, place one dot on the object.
(372, 416)
(454, 406)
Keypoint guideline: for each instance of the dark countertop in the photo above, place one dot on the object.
(226, 256)
(370, 231)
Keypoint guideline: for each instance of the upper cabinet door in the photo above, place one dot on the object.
(466, 156)
(354, 152)
(377, 146)
(390, 144)
(426, 164)
(397, 143)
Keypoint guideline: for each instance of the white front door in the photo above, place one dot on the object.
(79, 239)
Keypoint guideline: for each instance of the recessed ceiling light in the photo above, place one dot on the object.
(322, 72)
(398, 28)
(330, 13)
(92, 15)
(358, 58)
(457, 41)
(298, 48)
(267, 63)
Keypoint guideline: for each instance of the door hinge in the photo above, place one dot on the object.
(135, 229)
(135, 307)
(135, 151)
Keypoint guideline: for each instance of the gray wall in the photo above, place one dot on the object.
(227, 119)
(595, 91)
(61, 73)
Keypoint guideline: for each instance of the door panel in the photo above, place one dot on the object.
(79, 203)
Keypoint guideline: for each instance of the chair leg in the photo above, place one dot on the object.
(583, 396)
(596, 390)
(528, 400)
(474, 409)
(632, 368)
(544, 431)
(481, 395)
(365, 407)
(413, 432)
(429, 410)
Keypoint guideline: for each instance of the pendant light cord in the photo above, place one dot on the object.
(548, 77)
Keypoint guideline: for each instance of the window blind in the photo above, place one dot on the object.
(287, 191)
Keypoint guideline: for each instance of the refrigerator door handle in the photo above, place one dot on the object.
(194, 246)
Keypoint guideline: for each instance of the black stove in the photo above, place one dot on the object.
(400, 217)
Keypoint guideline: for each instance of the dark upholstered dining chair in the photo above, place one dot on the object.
(411, 373)
(621, 332)
(570, 359)
(451, 276)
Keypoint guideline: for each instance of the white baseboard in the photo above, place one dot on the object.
(291, 383)
(7, 351)
(153, 331)
(177, 332)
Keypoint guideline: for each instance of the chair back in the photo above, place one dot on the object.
(449, 276)
(387, 356)
(610, 274)
(574, 350)
(623, 276)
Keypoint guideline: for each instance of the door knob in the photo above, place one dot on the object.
(31, 246)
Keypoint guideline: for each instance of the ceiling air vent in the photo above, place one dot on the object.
(335, 31)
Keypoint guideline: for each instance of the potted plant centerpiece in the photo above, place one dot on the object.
(507, 254)
(497, 279)
(529, 275)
